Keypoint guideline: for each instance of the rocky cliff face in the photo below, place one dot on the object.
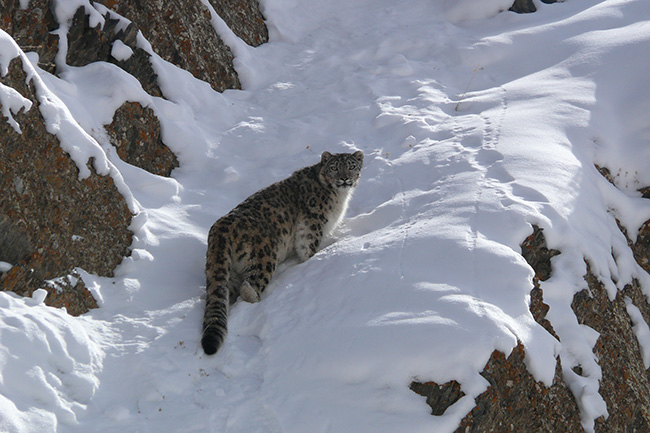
(51, 222)
(31, 29)
(515, 402)
(244, 18)
(181, 33)
(88, 44)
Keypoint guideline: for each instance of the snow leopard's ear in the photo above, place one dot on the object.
(325, 157)
(359, 156)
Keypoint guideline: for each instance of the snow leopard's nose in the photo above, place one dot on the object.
(344, 182)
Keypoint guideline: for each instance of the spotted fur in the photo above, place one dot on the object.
(285, 219)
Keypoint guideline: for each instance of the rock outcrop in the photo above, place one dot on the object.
(31, 29)
(526, 6)
(88, 44)
(181, 33)
(244, 18)
(439, 397)
(135, 131)
(50, 221)
(515, 402)
(625, 385)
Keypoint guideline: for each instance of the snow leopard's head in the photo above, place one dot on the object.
(341, 170)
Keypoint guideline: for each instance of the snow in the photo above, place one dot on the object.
(120, 51)
(462, 10)
(641, 330)
(11, 100)
(49, 365)
(475, 125)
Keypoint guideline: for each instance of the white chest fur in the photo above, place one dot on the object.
(338, 210)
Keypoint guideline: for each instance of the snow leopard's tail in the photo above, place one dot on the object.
(217, 302)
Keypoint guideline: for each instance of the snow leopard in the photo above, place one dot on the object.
(286, 219)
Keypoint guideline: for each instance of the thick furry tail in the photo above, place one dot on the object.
(215, 320)
(217, 272)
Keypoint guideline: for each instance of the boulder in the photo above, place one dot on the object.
(526, 6)
(135, 131)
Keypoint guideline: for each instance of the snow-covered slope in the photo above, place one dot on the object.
(475, 125)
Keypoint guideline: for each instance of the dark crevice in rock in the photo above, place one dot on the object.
(135, 132)
(641, 248)
(515, 402)
(539, 310)
(523, 7)
(439, 397)
(538, 256)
